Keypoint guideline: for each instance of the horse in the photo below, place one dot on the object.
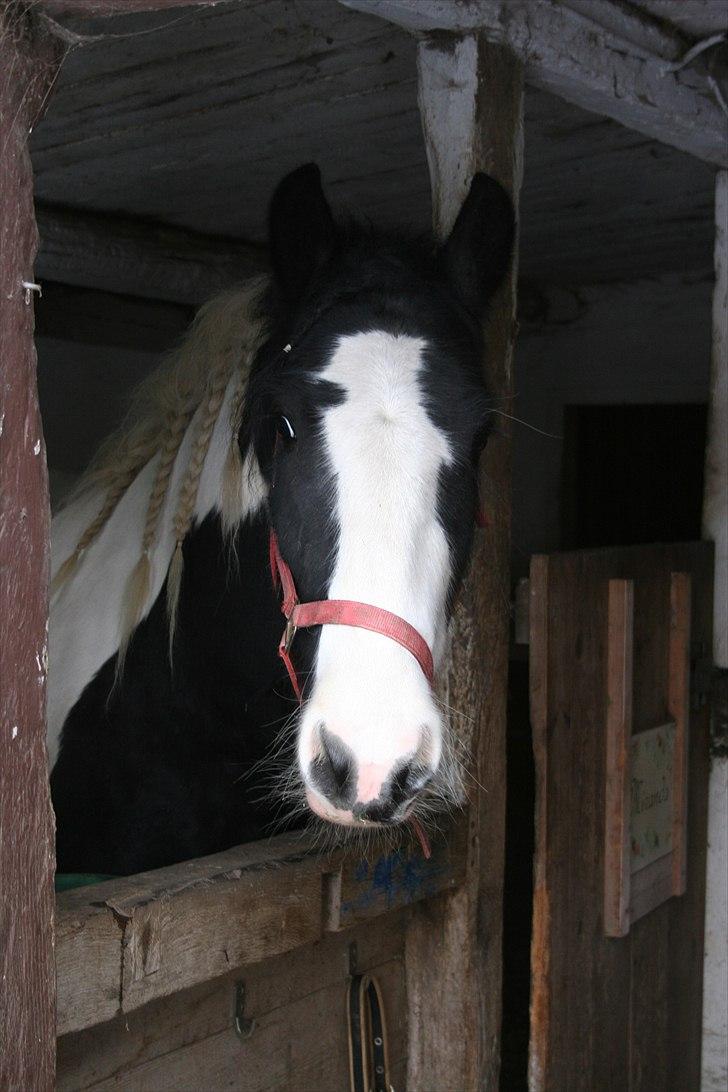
(320, 426)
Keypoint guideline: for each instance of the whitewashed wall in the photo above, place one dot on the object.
(715, 526)
(644, 342)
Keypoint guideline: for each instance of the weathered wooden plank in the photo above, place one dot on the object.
(620, 659)
(88, 941)
(565, 53)
(126, 942)
(28, 65)
(367, 889)
(142, 259)
(471, 107)
(119, 7)
(698, 18)
(623, 1010)
(148, 1035)
(678, 703)
(299, 1045)
(538, 650)
(190, 936)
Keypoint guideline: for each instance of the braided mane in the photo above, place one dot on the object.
(185, 392)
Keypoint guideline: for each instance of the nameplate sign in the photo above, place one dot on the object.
(651, 795)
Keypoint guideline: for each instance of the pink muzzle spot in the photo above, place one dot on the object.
(371, 779)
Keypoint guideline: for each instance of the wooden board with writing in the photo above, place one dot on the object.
(645, 797)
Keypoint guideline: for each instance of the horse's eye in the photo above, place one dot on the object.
(285, 429)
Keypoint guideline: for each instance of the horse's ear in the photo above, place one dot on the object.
(301, 230)
(477, 254)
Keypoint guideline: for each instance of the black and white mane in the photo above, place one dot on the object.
(341, 404)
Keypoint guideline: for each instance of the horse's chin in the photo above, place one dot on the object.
(327, 811)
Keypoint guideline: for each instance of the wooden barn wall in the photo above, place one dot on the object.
(645, 341)
(297, 1002)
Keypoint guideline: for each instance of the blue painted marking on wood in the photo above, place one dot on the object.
(395, 879)
(362, 871)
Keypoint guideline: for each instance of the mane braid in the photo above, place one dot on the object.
(137, 588)
(188, 491)
(187, 389)
(115, 492)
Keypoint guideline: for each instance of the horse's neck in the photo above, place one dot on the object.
(229, 621)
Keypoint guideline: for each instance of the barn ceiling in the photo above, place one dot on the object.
(191, 117)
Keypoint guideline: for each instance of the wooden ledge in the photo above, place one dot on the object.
(125, 942)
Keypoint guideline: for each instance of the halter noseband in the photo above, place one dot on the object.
(338, 612)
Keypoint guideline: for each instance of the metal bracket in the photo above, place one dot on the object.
(244, 1026)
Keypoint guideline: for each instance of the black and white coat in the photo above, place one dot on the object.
(363, 418)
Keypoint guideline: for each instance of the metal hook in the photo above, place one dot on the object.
(30, 286)
(244, 1027)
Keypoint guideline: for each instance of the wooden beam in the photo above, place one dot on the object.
(564, 52)
(29, 62)
(86, 316)
(126, 942)
(120, 7)
(138, 258)
(471, 102)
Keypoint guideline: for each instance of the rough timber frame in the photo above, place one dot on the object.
(458, 936)
(597, 57)
(471, 104)
(28, 65)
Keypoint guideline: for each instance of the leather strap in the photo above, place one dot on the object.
(368, 1053)
(338, 612)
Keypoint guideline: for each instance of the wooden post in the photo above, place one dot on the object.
(471, 103)
(28, 64)
(715, 527)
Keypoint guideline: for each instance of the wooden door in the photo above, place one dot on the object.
(613, 633)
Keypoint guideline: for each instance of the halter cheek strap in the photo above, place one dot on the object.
(338, 612)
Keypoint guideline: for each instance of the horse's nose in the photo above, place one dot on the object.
(369, 791)
(396, 791)
(333, 770)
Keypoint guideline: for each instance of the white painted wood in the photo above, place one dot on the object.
(447, 93)
(714, 1068)
(698, 18)
(715, 527)
(645, 35)
(582, 62)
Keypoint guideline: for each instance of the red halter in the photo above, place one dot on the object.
(338, 612)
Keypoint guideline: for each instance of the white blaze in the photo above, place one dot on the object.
(386, 456)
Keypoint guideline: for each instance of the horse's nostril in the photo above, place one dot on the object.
(405, 783)
(333, 771)
(408, 780)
